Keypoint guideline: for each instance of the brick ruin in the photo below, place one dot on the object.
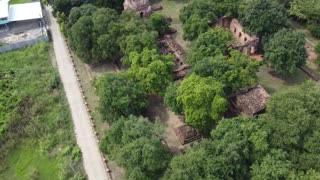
(243, 42)
(170, 46)
(141, 6)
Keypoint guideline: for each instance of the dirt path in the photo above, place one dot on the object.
(93, 162)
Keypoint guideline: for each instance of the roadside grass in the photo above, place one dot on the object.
(27, 161)
(20, 1)
(87, 75)
(273, 83)
(39, 142)
(172, 8)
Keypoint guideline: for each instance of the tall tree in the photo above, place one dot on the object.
(202, 101)
(236, 71)
(159, 23)
(112, 4)
(293, 122)
(152, 70)
(195, 17)
(170, 98)
(305, 10)
(120, 96)
(209, 44)
(264, 17)
(285, 51)
(81, 38)
(135, 144)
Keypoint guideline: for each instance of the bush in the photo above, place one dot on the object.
(314, 29)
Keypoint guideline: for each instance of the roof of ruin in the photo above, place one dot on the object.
(187, 134)
(252, 101)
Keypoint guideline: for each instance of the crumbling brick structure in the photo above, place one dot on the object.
(243, 42)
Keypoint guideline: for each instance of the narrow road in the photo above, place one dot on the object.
(93, 162)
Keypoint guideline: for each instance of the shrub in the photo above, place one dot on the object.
(314, 29)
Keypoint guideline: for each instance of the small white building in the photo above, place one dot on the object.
(19, 12)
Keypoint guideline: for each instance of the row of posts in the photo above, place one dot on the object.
(89, 112)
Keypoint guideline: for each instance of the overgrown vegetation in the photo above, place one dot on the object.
(35, 119)
(279, 145)
(243, 147)
(135, 144)
(285, 51)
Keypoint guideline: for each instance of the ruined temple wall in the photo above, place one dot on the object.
(238, 31)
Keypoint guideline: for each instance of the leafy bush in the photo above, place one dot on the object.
(314, 29)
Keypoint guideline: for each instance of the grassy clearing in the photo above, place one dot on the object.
(39, 141)
(310, 39)
(20, 1)
(172, 8)
(273, 83)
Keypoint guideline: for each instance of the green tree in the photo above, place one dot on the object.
(235, 72)
(264, 17)
(238, 143)
(148, 154)
(134, 143)
(77, 12)
(81, 38)
(170, 98)
(202, 101)
(112, 4)
(274, 165)
(285, 51)
(293, 122)
(120, 96)
(209, 44)
(195, 17)
(136, 43)
(159, 23)
(191, 165)
(305, 10)
(152, 70)
(105, 42)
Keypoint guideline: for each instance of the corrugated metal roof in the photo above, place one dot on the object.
(4, 8)
(26, 11)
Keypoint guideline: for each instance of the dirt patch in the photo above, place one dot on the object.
(170, 121)
(311, 53)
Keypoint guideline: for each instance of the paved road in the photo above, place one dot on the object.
(93, 162)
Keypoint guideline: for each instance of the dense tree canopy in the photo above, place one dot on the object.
(209, 44)
(138, 42)
(293, 121)
(285, 51)
(134, 143)
(81, 38)
(202, 100)
(170, 98)
(282, 144)
(236, 71)
(120, 96)
(264, 17)
(152, 70)
(195, 17)
(159, 23)
(112, 4)
(305, 10)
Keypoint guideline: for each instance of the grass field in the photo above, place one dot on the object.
(273, 83)
(172, 8)
(39, 141)
(20, 1)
